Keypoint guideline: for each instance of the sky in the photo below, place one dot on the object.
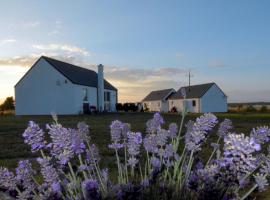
(144, 45)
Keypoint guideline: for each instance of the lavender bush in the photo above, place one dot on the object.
(163, 164)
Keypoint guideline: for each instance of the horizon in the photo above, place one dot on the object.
(144, 46)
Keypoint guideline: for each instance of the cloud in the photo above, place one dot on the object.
(216, 64)
(179, 55)
(29, 60)
(133, 84)
(32, 24)
(7, 41)
(61, 47)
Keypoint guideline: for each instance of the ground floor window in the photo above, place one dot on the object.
(193, 103)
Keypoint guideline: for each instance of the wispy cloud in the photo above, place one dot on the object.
(31, 24)
(216, 64)
(7, 41)
(179, 55)
(62, 47)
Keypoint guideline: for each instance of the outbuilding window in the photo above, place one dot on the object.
(193, 103)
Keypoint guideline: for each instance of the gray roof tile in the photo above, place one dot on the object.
(193, 91)
(158, 95)
(78, 75)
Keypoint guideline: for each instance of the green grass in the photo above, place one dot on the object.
(13, 149)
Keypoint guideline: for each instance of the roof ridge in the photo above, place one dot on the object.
(50, 58)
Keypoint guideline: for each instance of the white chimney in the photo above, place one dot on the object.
(100, 88)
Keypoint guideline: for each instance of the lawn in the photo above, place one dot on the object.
(13, 149)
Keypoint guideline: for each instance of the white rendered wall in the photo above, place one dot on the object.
(43, 90)
(155, 106)
(79, 96)
(179, 104)
(214, 101)
(113, 99)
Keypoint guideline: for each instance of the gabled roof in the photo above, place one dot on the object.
(77, 75)
(159, 95)
(193, 91)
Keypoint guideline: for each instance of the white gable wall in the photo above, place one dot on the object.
(179, 105)
(156, 106)
(214, 100)
(39, 93)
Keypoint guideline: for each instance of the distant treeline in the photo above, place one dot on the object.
(129, 107)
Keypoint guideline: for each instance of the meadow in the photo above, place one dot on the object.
(12, 147)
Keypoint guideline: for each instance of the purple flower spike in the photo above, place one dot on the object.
(197, 131)
(34, 136)
(25, 173)
(7, 179)
(91, 189)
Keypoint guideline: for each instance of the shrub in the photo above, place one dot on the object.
(8, 104)
(264, 109)
(69, 163)
(251, 108)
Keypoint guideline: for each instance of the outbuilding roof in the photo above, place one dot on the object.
(158, 95)
(193, 91)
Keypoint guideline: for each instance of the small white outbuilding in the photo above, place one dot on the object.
(51, 85)
(201, 98)
(157, 100)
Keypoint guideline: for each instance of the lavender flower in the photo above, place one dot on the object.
(24, 176)
(65, 143)
(34, 136)
(116, 134)
(92, 155)
(261, 134)
(150, 143)
(7, 179)
(162, 137)
(238, 153)
(116, 131)
(197, 131)
(153, 125)
(49, 174)
(224, 127)
(156, 163)
(261, 182)
(83, 130)
(134, 140)
(173, 130)
(91, 189)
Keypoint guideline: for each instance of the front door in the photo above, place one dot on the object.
(86, 109)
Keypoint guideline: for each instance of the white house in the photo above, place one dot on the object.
(54, 86)
(157, 100)
(200, 99)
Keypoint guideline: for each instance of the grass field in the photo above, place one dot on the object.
(13, 149)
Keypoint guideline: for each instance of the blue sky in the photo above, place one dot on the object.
(144, 45)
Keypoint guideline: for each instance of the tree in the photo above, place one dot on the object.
(8, 104)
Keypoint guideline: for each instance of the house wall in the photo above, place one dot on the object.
(156, 106)
(214, 100)
(179, 104)
(43, 90)
(79, 97)
(113, 101)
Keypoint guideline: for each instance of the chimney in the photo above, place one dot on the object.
(100, 88)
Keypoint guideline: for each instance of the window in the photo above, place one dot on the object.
(85, 94)
(107, 96)
(172, 103)
(193, 103)
(158, 104)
